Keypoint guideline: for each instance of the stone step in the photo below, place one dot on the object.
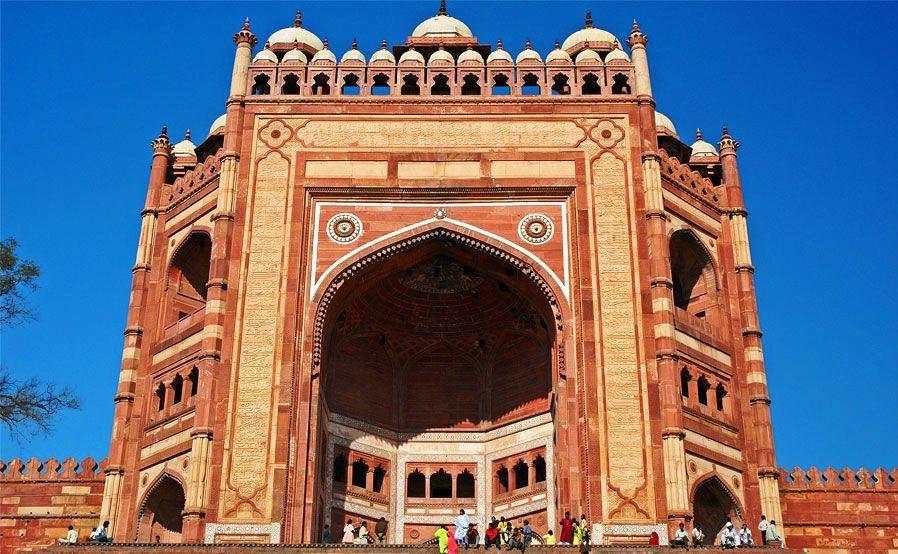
(132, 548)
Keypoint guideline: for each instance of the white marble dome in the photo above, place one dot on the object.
(589, 56)
(662, 122)
(296, 34)
(265, 55)
(701, 148)
(442, 26)
(218, 125)
(597, 39)
(185, 148)
(441, 56)
(499, 55)
(528, 54)
(470, 55)
(383, 55)
(353, 55)
(411, 55)
(295, 55)
(558, 55)
(617, 55)
(324, 55)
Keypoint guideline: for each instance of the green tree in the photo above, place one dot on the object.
(26, 406)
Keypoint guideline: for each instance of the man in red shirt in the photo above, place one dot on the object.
(567, 529)
(491, 537)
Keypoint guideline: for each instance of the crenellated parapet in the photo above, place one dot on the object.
(192, 181)
(69, 469)
(831, 479)
(689, 180)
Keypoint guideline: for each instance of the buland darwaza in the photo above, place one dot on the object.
(441, 276)
(445, 276)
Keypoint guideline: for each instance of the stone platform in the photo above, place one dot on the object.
(132, 548)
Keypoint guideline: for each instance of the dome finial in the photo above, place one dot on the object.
(635, 26)
(268, 45)
(499, 44)
(698, 134)
(527, 45)
(557, 45)
(726, 131)
(187, 135)
(246, 24)
(442, 8)
(355, 44)
(297, 21)
(589, 24)
(383, 44)
(164, 132)
(295, 44)
(325, 44)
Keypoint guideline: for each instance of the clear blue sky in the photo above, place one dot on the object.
(810, 89)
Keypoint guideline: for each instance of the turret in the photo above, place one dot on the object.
(245, 41)
(637, 42)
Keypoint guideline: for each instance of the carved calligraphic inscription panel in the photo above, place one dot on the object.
(248, 473)
(623, 404)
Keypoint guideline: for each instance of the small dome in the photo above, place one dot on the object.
(295, 34)
(266, 55)
(589, 56)
(528, 54)
(294, 55)
(617, 55)
(218, 125)
(411, 55)
(441, 25)
(597, 39)
(324, 55)
(558, 55)
(185, 148)
(663, 123)
(499, 55)
(353, 55)
(702, 149)
(470, 55)
(441, 56)
(383, 55)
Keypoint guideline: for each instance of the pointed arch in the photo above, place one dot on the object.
(713, 503)
(160, 510)
(695, 283)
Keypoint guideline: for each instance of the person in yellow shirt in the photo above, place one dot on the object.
(549, 538)
(442, 537)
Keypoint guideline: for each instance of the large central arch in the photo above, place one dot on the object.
(439, 358)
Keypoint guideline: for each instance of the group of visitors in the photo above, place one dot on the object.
(729, 536)
(360, 534)
(502, 533)
(100, 534)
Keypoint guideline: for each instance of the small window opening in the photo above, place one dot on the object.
(591, 84)
(261, 85)
(359, 474)
(410, 86)
(177, 386)
(502, 479)
(381, 86)
(378, 482)
(684, 382)
(416, 485)
(531, 85)
(341, 467)
(721, 393)
(501, 86)
(440, 86)
(521, 475)
(194, 378)
(351, 85)
(560, 84)
(441, 484)
(160, 395)
(539, 465)
(291, 84)
(621, 84)
(321, 85)
(471, 86)
(464, 485)
(703, 387)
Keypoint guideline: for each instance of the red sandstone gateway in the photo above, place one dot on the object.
(443, 277)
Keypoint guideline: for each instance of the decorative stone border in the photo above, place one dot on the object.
(273, 530)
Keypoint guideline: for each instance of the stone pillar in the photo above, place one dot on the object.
(755, 371)
(124, 398)
(672, 433)
(216, 291)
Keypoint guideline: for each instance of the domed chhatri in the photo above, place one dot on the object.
(663, 124)
(617, 55)
(218, 126)
(383, 55)
(590, 37)
(185, 148)
(266, 55)
(701, 148)
(325, 55)
(285, 38)
(528, 54)
(441, 55)
(353, 55)
(470, 56)
(499, 55)
(411, 56)
(295, 56)
(558, 55)
(442, 25)
(589, 56)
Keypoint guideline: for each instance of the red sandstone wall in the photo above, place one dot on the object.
(38, 501)
(840, 509)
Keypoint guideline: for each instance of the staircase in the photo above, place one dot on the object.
(132, 548)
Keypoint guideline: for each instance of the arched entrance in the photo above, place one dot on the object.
(438, 366)
(712, 505)
(160, 517)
